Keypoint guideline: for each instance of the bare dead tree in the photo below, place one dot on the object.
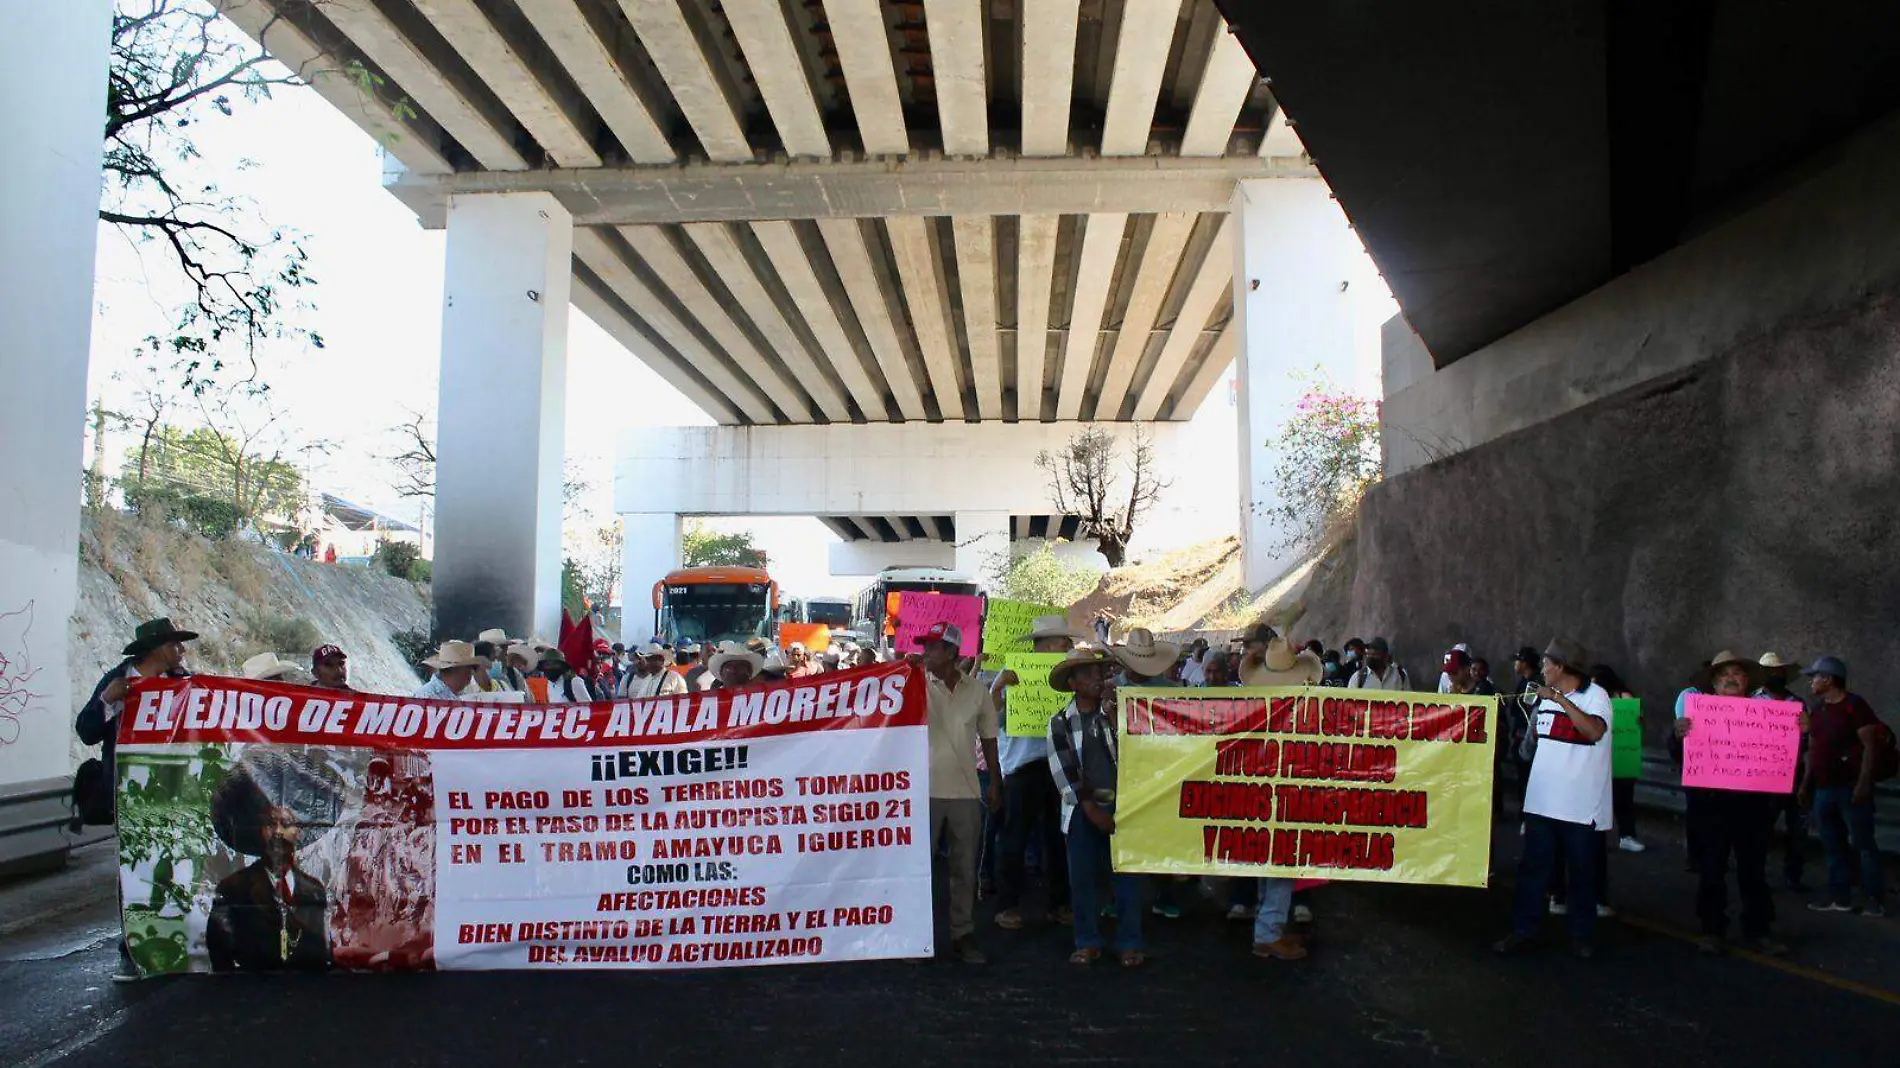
(415, 460)
(1084, 482)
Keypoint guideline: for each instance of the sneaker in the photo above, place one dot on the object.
(1629, 844)
(1830, 905)
(1710, 945)
(1558, 908)
(1167, 910)
(1302, 914)
(1767, 946)
(1010, 919)
(1286, 948)
(1510, 943)
(1874, 909)
(966, 951)
(1240, 912)
(1605, 912)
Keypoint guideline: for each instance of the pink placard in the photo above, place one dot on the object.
(917, 611)
(1738, 743)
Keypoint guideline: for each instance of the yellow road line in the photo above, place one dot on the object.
(1778, 963)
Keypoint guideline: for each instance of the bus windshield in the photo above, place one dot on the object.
(834, 614)
(716, 612)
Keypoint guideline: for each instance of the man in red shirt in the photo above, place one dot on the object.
(1844, 736)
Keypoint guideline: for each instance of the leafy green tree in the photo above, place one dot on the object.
(201, 472)
(1328, 455)
(174, 65)
(701, 546)
(1041, 577)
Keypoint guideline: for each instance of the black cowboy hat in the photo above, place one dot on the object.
(156, 632)
(274, 778)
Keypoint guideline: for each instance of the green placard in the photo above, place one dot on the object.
(1626, 738)
(1031, 704)
(1004, 627)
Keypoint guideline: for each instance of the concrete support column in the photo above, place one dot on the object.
(982, 537)
(53, 71)
(651, 549)
(1293, 255)
(500, 423)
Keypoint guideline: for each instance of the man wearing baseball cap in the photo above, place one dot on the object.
(1845, 743)
(960, 712)
(331, 668)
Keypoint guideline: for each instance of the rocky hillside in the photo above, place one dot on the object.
(243, 598)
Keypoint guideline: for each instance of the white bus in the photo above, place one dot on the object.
(869, 614)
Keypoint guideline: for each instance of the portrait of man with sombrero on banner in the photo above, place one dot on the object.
(264, 857)
(271, 914)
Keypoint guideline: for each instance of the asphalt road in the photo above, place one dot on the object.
(1399, 976)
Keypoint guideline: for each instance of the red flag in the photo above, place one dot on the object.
(577, 642)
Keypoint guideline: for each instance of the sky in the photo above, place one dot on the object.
(378, 297)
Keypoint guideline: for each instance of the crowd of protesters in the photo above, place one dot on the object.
(1005, 808)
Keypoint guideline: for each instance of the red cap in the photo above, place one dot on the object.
(327, 652)
(1456, 661)
(941, 632)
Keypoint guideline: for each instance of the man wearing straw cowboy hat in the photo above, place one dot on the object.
(960, 713)
(1147, 662)
(1271, 660)
(1084, 758)
(1724, 822)
(734, 666)
(500, 671)
(455, 664)
(1031, 804)
(1775, 676)
(650, 677)
(267, 667)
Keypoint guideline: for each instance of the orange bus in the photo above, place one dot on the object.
(715, 604)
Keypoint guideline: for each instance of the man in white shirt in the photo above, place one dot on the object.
(650, 678)
(1567, 804)
(1445, 676)
(960, 713)
(455, 664)
(1380, 671)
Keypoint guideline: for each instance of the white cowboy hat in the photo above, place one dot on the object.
(730, 651)
(1283, 666)
(454, 654)
(1140, 653)
(266, 667)
(1774, 660)
(649, 649)
(1053, 627)
(496, 636)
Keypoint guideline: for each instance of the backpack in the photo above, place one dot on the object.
(1886, 752)
(93, 803)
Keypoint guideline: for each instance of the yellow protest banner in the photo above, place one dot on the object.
(1030, 704)
(1005, 627)
(1305, 782)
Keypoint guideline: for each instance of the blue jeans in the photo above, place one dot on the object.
(1276, 898)
(1843, 825)
(1090, 865)
(1580, 845)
